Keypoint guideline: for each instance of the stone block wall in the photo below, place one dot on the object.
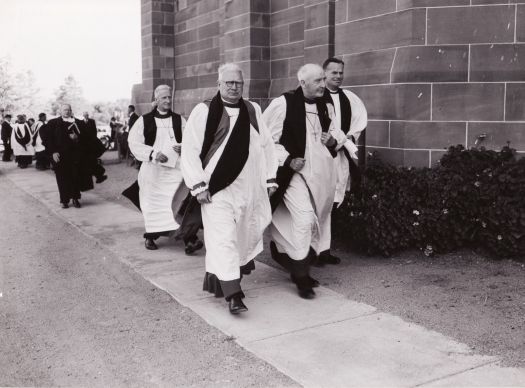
(431, 73)
(435, 73)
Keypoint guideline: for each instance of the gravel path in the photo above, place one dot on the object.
(72, 315)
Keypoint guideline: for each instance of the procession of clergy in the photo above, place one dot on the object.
(231, 170)
(246, 170)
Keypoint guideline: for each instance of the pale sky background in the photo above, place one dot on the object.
(97, 41)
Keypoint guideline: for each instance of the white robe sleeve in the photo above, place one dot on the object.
(136, 144)
(336, 133)
(359, 115)
(194, 175)
(268, 147)
(273, 117)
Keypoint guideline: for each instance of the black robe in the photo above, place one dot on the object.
(6, 140)
(73, 171)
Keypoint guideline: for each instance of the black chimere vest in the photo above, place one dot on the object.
(293, 137)
(346, 109)
(150, 126)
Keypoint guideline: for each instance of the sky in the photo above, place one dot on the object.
(97, 41)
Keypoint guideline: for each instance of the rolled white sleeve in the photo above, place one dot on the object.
(191, 165)
(139, 149)
(273, 117)
(359, 119)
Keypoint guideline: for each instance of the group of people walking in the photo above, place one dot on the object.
(23, 140)
(67, 145)
(245, 170)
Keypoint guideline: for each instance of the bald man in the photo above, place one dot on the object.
(306, 144)
(155, 140)
(68, 145)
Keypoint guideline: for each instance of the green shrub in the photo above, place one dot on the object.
(473, 198)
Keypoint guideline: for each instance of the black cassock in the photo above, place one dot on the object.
(74, 170)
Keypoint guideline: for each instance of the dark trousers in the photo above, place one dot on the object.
(42, 160)
(67, 175)
(8, 152)
(98, 170)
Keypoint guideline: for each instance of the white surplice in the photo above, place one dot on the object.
(303, 218)
(235, 219)
(35, 132)
(20, 130)
(358, 122)
(159, 183)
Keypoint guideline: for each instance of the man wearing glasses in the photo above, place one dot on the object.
(229, 164)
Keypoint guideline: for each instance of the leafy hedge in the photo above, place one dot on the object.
(473, 198)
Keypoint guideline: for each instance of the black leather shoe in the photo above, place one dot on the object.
(307, 293)
(150, 244)
(64, 205)
(193, 246)
(328, 259)
(101, 179)
(76, 203)
(236, 305)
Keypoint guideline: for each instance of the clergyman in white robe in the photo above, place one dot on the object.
(160, 183)
(302, 210)
(234, 217)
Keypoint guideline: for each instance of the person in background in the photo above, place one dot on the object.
(6, 132)
(21, 142)
(132, 116)
(98, 170)
(67, 143)
(42, 159)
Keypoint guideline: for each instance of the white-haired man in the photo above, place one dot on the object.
(307, 143)
(155, 139)
(229, 164)
(68, 146)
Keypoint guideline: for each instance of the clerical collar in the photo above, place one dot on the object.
(230, 105)
(309, 100)
(160, 115)
(68, 119)
(332, 92)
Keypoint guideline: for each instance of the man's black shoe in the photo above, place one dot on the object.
(150, 244)
(64, 205)
(76, 203)
(193, 246)
(327, 258)
(307, 293)
(236, 305)
(101, 179)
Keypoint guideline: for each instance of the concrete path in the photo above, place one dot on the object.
(330, 341)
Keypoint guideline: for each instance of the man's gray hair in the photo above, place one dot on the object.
(228, 67)
(305, 70)
(160, 88)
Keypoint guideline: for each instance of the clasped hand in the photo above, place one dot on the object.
(204, 197)
(177, 148)
(297, 164)
(327, 139)
(161, 158)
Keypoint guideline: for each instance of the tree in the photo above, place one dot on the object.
(6, 86)
(71, 93)
(18, 91)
